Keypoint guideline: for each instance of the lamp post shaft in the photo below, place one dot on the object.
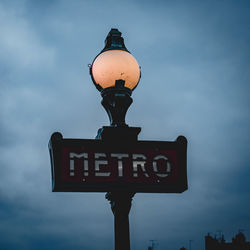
(120, 205)
(120, 201)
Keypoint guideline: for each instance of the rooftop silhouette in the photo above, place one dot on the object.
(238, 243)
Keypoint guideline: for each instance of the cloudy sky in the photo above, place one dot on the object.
(195, 60)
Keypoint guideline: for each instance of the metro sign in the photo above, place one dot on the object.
(81, 165)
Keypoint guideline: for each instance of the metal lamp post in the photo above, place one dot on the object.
(116, 73)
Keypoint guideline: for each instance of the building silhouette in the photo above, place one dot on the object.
(238, 243)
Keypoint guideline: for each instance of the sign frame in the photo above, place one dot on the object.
(57, 143)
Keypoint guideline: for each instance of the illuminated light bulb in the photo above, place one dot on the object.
(114, 65)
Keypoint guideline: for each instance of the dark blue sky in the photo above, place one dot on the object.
(195, 60)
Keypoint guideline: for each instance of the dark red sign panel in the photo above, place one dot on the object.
(94, 166)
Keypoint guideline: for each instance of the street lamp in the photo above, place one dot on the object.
(115, 73)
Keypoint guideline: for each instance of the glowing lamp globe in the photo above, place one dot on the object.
(115, 73)
(112, 65)
(115, 63)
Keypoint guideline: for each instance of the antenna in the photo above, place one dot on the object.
(190, 244)
(220, 234)
(154, 244)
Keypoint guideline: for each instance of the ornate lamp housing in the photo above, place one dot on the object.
(115, 73)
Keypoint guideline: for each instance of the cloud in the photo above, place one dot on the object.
(195, 60)
(20, 45)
